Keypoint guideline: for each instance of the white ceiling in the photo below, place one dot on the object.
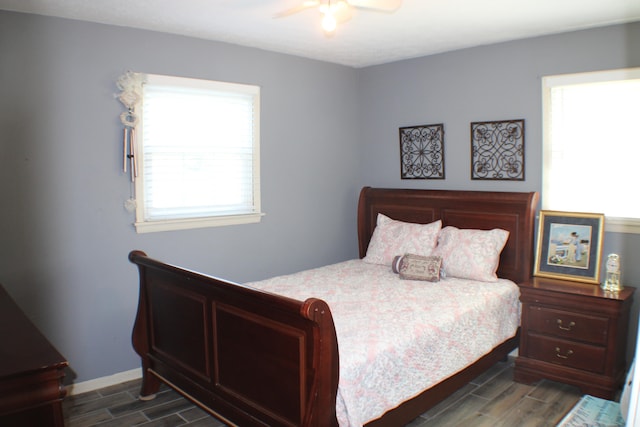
(418, 28)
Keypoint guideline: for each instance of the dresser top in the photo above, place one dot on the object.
(23, 348)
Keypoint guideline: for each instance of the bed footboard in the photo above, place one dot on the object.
(248, 357)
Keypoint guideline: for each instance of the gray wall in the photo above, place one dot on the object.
(496, 82)
(326, 131)
(64, 233)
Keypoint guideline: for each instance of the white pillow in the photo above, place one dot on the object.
(391, 238)
(471, 254)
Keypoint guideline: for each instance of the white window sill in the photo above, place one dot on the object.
(622, 225)
(186, 224)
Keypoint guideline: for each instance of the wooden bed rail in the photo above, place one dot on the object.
(248, 357)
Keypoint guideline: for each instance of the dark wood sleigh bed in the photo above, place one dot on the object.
(252, 358)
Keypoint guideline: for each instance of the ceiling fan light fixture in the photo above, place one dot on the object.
(334, 12)
(329, 22)
(334, 7)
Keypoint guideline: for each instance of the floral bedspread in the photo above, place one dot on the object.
(398, 337)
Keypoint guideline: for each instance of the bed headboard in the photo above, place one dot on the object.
(485, 210)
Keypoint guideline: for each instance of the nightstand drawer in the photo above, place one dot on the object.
(567, 353)
(566, 324)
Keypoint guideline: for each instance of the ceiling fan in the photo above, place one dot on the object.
(338, 11)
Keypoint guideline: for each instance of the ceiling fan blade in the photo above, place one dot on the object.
(310, 4)
(344, 14)
(376, 5)
(340, 9)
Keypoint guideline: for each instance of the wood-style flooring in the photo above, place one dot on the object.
(493, 399)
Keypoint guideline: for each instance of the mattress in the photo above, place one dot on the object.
(398, 337)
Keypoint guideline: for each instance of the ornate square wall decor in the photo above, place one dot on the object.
(497, 150)
(422, 152)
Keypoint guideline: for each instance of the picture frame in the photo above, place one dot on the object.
(497, 150)
(422, 152)
(569, 246)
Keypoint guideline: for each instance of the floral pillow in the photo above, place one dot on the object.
(416, 267)
(471, 254)
(391, 238)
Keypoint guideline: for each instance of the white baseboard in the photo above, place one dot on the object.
(107, 381)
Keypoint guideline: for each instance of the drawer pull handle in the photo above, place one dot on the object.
(566, 328)
(563, 356)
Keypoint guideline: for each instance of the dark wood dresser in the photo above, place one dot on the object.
(574, 333)
(31, 371)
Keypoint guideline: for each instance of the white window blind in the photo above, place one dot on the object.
(592, 144)
(199, 153)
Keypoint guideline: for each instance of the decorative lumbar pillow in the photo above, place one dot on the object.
(471, 254)
(416, 267)
(392, 237)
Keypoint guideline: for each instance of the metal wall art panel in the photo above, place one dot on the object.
(497, 150)
(422, 152)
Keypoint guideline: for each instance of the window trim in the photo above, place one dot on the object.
(145, 226)
(612, 224)
(622, 225)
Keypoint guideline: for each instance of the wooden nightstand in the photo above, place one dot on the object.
(573, 333)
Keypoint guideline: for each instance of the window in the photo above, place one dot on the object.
(198, 154)
(592, 145)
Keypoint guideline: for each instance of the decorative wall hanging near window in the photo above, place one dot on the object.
(130, 84)
(422, 152)
(497, 150)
